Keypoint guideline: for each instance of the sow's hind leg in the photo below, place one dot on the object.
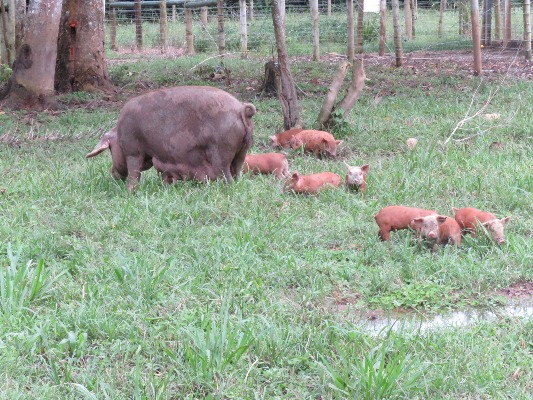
(135, 165)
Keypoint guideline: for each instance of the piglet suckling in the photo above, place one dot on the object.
(282, 139)
(437, 228)
(469, 218)
(356, 177)
(318, 142)
(311, 184)
(394, 218)
(268, 163)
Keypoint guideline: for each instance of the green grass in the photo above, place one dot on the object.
(233, 291)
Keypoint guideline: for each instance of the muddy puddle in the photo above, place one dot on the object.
(424, 323)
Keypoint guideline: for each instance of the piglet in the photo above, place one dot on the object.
(437, 228)
(469, 218)
(311, 184)
(282, 139)
(269, 163)
(356, 177)
(317, 142)
(394, 218)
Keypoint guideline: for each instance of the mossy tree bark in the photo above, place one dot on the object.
(81, 63)
(32, 83)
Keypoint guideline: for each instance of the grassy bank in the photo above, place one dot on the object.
(240, 291)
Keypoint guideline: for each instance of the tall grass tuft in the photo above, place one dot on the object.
(20, 285)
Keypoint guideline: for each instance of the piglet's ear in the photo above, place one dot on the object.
(339, 142)
(365, 168)
(347, 166)
(454, 211)
(505, 220)
(296, 176)
(417, 223)
(441, 219)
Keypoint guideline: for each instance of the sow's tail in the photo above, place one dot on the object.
(104, 143)
(247, 113)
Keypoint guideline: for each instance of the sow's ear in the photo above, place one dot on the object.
(104, 143)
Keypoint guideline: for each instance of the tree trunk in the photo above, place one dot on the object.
(163, 24)
(397, 32)
(355, 89)
(414, 13)
(350, 51)
(81, 63)
(251, 10)
(272, 83)
(289, 100)
(5, 39)
(476, 39)
(313, 5)
(497, 20)
(113, 28)
(329, 8)
(408, 19)
(11, 28)
(507, 23)
(189, 37)
(20, 17)
(441, 15)
(244, 29)
(221, 33)
(138, 25)
(32, 83)
(324, 115)
(486, 30)
(360, 25)
(282, 11)
(204, 17)
(382, 26)
(527, 29)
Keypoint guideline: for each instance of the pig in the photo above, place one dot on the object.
(311, 184)
(468, 218)
(282, 139)
(394, 218)
(438, 228)
(317, 142)
(185, 132)
(269, 163)
(356, 177)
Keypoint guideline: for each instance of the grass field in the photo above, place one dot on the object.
(240, 291)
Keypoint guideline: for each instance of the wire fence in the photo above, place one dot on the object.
(299, 36)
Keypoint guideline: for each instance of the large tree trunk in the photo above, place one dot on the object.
(408, 19)
(5, 36)
(527, 29)
(397, 32)
(32, 83)
(360, 25)
(81, 62)
(476, 37)
(244, 29)
(350, 51)
(288, 96)
(382, 26)
(313, 5)
(20, 17)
